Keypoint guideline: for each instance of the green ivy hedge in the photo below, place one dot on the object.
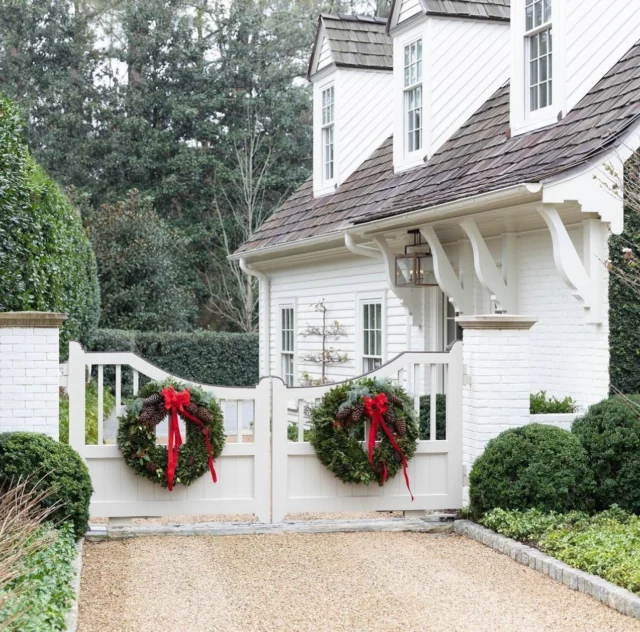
(46, 260)
(624, 312)
(211, 357)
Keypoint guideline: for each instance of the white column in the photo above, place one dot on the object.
(497, 377)
(30, 372)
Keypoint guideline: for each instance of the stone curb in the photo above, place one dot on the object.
(103, 532)
(600, 589)
(71, 620)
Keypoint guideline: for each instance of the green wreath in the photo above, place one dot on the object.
(137, 434)
(338, 425)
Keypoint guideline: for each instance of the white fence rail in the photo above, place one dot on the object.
(261, 471)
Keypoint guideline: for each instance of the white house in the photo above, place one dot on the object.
(479, 132)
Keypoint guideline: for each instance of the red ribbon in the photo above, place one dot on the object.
(175, 403)
(375, 407)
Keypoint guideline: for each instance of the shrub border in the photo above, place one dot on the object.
(617, 598)
(71, 620)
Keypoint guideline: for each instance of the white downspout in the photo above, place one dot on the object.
(265, 314)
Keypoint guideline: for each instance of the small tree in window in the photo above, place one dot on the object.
(327, 356)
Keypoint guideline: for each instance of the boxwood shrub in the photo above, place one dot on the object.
(211, 357)
(49, 463)
(46, 260)
(610, 433)
(535, 466)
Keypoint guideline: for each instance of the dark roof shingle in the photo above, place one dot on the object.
(357, 41)
(477, 159)
(482, 9)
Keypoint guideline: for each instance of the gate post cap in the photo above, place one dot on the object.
(50, 320)
(497, 321)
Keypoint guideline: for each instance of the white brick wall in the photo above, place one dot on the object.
(29, 376)
(497, 386)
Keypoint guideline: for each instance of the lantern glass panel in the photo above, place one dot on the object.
(425, 272)
(405, 265)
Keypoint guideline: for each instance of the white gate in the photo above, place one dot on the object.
(263, 472)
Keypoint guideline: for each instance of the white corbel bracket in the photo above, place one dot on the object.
(487, 271)
(587, 279)
(461, 297)
(411, 299)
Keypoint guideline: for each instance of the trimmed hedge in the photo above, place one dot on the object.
(46, 259)
(610, 433)
(211, 357)
(441, 417)
(29, 454)
(535, 466)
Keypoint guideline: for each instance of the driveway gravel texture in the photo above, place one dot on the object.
(332, 582)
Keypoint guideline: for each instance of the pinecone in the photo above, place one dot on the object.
(394, 399)
(397, 457)
(204, 415)
(191, 460)
(192, 409)
(344, 413)
(155, 399)
(150, 467)
(357, 413)
(401, 426)
(152, 415)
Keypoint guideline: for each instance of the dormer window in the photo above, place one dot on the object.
(539, 51)
(328, 112)
(413, 96)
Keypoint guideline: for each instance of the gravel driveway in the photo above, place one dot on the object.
(334, 582)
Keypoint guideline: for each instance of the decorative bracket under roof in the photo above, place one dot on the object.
(487, 271)
(461, 296)
(587, 276)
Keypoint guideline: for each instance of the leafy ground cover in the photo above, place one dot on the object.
(38, 598)
(606, 544)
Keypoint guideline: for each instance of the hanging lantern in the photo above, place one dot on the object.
(415, 267)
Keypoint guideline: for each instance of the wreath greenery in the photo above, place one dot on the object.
(338, 427)
(137, 434)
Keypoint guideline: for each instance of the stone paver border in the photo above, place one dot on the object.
(600, 589)
(71, 620)
(102, 532)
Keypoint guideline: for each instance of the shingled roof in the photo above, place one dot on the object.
(477, 9)
(477, 159)
(356, 41)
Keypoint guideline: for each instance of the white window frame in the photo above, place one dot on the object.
(533, 35)
(449, 316)
(522, 119)
(327, 131)
(287, 354)
(363, 299)
(409, 88)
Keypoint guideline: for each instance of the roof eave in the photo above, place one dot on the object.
(513, 195)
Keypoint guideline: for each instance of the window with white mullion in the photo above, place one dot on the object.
(287, 348)
(328, 116)
(413, 95)
(539, 46)
(372, 336)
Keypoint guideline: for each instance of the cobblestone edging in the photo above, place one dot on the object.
(600, 589)
(71, 620)
(102, 532)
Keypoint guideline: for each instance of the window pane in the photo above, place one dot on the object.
(543, 95)
(538, 13)
(543, 43)
(529, 19)
(534, 98)
(547, 10)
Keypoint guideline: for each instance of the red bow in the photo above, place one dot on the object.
(175, 402)
(376, 407)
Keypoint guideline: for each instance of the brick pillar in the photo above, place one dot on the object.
(29, 371)
(497, 378)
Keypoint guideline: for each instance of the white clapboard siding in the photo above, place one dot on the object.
(365, 116)
(598, 34)
(339, 280)
(408, 8)
(468, 61)
(324, 56)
